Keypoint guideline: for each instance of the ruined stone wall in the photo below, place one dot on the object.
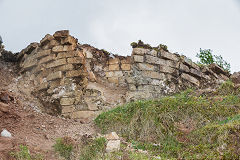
(106, 68)
(157, 72)
(79, 81)
(57, 68)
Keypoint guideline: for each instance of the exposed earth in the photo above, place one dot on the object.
(27, 124)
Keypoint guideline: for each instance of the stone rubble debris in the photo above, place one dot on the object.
(6, 133)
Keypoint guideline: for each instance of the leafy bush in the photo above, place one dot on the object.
(206, 57)
(64, 147)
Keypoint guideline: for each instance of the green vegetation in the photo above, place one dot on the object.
(24, 154)
(64, 147)
(94, 149)
(183, 126)
(140, 44)
(206, 57)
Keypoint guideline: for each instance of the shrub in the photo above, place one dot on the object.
(64, 147)
(206, 57)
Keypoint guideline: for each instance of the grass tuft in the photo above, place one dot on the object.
(24, 154)
(64, 147)
(94, 150)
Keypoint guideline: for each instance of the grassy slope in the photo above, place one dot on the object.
(181, 126)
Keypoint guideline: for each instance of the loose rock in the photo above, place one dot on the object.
(5, 133)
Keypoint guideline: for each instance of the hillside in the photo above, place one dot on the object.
(194, 124)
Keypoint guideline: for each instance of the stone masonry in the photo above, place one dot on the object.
(72, 79)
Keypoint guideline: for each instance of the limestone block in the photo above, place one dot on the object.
(57, 49)
(140, 51)
(66, 67)
(42, 75)
(69, 40)
(68, 109)
(60, 34)
(156, 60)
(47, 59)
(43, 86)
(113, 146)
(114, 74)
(126, 67)
(166, 69)
(126, 60)
(67, 101)
(145, 67)
(153, 53)
(53, 43)
(74, 73)
(153, 74)
(190, 79)
(46, 39)
(137, 58)
(65, 55)
(56, 63)
(184, 68)
(43, 53)
(196, 73)
(113, 61)
(55, 75)
(75, 60)
(55, 84)
(168, 55)
(113, 80)
(69, 47)
(29, 64)
(113, 67)
(83, 115)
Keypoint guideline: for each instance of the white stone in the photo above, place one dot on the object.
(5, 133)
(113, 145)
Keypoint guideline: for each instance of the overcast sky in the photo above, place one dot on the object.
(184, 26)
